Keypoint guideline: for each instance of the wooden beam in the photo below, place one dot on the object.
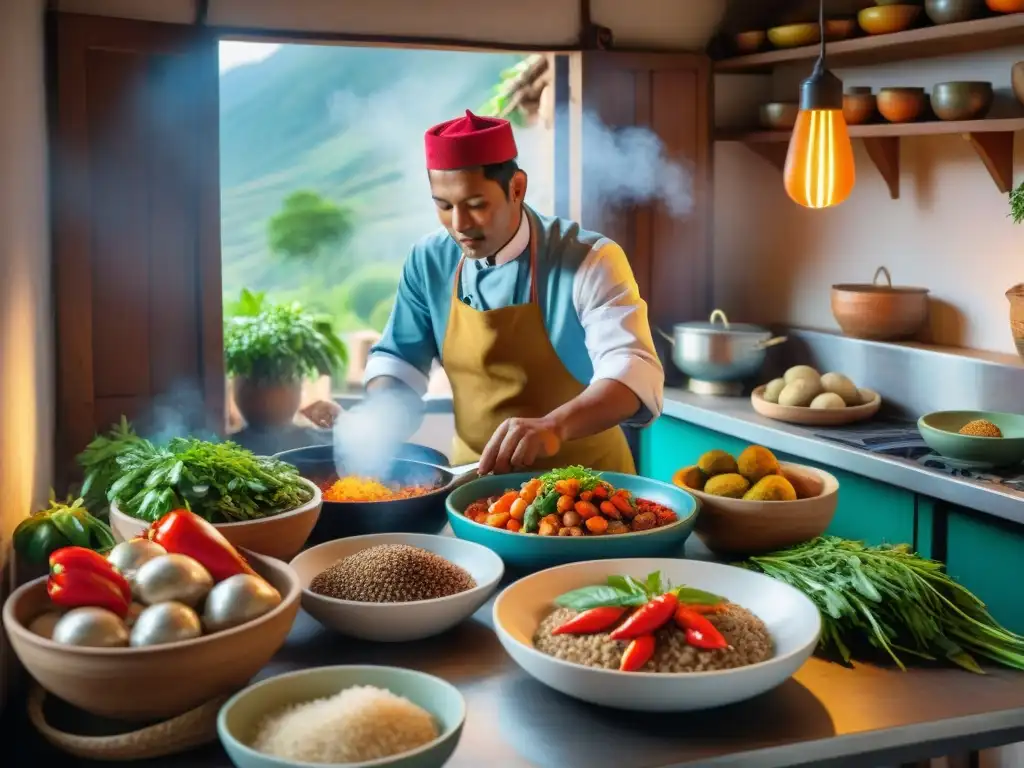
(884, 152)
(996, 152)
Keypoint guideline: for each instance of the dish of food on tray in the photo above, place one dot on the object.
(651, 626)
(573, 501)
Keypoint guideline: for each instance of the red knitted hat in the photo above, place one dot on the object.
(468, 142)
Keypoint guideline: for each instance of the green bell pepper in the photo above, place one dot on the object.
(60, 525)
(541, 507)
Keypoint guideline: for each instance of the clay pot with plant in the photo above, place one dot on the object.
(269, 349)
(1016, 294)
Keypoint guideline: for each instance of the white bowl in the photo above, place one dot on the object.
(280, 536)
(791, 618)
(398, 622)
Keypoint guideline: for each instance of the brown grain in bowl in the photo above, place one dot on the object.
(749, 643)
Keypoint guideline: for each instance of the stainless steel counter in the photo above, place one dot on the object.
(825, 716)
(735, 416)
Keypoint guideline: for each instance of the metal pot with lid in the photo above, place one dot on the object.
(720, 351)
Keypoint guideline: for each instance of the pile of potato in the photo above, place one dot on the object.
(804, 387)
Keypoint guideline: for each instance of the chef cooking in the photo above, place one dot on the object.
(538, 323)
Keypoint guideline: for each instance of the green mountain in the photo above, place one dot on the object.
(347, 123)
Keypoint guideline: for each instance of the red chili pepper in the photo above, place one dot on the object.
(703, 608)
(638, 653)
(185, 533)
(700, 632)
(590, 622)
(78, 589)
(82, 559)
(648, 618)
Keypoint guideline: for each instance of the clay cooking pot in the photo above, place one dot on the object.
(1016, 297)
(879, 312)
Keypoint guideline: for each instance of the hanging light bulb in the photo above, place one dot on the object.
(819, 169)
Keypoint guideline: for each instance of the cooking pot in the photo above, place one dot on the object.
(720, 352)
(879, 312)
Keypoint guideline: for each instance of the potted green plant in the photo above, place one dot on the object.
(269, 349)
(1016, 294)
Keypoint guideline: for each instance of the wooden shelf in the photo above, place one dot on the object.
(991, 139)
(939, 40)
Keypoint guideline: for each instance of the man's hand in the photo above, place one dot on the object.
(323, 413)
(519, 443)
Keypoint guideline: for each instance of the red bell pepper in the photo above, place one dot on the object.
(185, 533)
(82, 559)
(647, 619)
(700, 632)
(638, 653)
(80, 589)
(590, 622)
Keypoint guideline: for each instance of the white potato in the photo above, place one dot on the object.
(839, 384)
(801, 372)
(828, 401)
(800, 392)
(772, 390)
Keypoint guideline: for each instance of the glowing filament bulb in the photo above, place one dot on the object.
(819, 165)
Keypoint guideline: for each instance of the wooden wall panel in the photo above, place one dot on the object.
(671, 95)
(136, 227)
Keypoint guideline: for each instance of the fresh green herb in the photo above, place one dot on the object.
(587, 478)
(221, 482)
(62, 524)
(627, 591)
(279, 343)
(99, 462)
(1017, 204)
(898, 603)
(542, 506)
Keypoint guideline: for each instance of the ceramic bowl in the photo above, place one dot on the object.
(952, 11)
(941, 432)
(740, 527)
(398, 622)
(859, 105)
(962, 100)
(792, 620)
(794, 35)
(885, 19)
(160, 681)
(279, 536)
(240, 717)
(779, 115)
(1005, 6)
(901, 105)
(816, 417)
(749, 42)
(530, 552)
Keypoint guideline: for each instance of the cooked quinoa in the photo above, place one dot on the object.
(392, 573)
(749, 643)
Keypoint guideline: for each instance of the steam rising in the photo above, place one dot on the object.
(368, 437)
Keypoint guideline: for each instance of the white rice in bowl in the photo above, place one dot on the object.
(361, 723)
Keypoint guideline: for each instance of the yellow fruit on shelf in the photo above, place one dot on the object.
(756, 462)
(716, 462)
(771, 488)
(730, 485)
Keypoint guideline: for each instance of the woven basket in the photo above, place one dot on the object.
(179, 734)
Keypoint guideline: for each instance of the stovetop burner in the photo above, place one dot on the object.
(715, 388)
(901, 439)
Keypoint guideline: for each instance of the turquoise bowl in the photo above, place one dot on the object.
(940, 431)
(240, 716)
(524, 552)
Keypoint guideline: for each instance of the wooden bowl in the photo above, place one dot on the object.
(817, 417)
(886, 19)
(281, 536)
(859, 105)
(794, 35)
(740, 527)
(749, 42)
(159, 681)
(840, 29)
(879, 312)
(901, 105)
(962, 100)
(952, 11)
(779, 115)
(1005, 6)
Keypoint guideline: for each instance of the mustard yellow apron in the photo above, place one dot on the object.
(501, 365)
